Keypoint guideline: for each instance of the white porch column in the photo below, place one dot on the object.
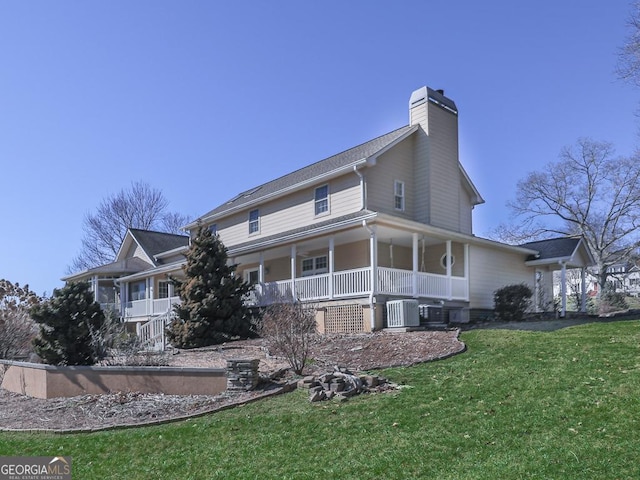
(414, 250)
(466, 269)
(94, 282)
(149, 295)
(563, 289)
(259, 287)
(293, 271)
(331, 265)
(124, 298)
(449, 279)
(261, 269)
(373, 260)
(537, 279)
(583, 283)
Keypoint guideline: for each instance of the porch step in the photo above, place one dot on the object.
(404, 329)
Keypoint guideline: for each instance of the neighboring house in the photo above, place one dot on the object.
(628, 281)
(623, 277)
(136, 284)
(390, 219)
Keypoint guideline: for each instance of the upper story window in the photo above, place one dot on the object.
(398, 195)
(254, 221)
(314, 266)
(322, 200)
(213, 228)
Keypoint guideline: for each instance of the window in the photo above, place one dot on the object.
(254, 221)
(322, 200)
(137, 291)
(398, 195)
(314, 266)
(252, 277)
(163, 289)
(213, 228)
(444, 260)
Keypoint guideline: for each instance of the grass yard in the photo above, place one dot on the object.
(516, 405)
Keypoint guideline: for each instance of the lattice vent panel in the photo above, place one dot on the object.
(344, 319)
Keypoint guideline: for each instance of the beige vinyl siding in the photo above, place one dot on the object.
(293, 211)
(136, 251)
(491, 269)
(402, 256)
(351, 255)
(346, 257)
(466, 210)
(433, 258)
(444, 172)
(394, 164)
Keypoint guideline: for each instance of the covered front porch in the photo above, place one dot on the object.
(367, 260)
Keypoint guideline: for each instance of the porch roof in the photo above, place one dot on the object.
(168, 268)
(572, 251)
(120, 267)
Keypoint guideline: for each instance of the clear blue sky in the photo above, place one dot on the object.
(204, 99)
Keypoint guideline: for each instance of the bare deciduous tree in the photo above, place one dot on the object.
(140, 206)
(17, 329)
(587, 192)
(628, 67)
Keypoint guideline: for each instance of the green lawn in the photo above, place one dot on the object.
(516, 405)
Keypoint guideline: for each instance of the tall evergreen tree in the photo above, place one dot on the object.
(67, 322)
(212, 309)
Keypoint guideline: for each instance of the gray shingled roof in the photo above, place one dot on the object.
(553, 248)
(126, 266)
(309, 172)
(154, 243)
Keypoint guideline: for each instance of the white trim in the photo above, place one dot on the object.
(402, 197)
(326, 199)
(253, 222)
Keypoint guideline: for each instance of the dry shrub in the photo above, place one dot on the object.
(289, 327)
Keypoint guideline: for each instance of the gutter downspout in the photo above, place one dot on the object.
(363, 190)
(373, 253)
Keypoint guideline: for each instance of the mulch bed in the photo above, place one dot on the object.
(360, 352)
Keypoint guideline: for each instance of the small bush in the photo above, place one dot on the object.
(612, 301)
(289, 329)
(17, 329)
(511, 302)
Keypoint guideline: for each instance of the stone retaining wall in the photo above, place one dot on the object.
(47, 381)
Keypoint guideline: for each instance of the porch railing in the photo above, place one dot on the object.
(357, 282)
(147, 307)
(342, 284)
(152, 334)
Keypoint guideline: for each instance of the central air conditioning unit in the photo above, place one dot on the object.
(403, 313)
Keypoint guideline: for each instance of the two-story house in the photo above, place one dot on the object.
(387, 220)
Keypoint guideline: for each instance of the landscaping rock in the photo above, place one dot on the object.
(342, 384)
